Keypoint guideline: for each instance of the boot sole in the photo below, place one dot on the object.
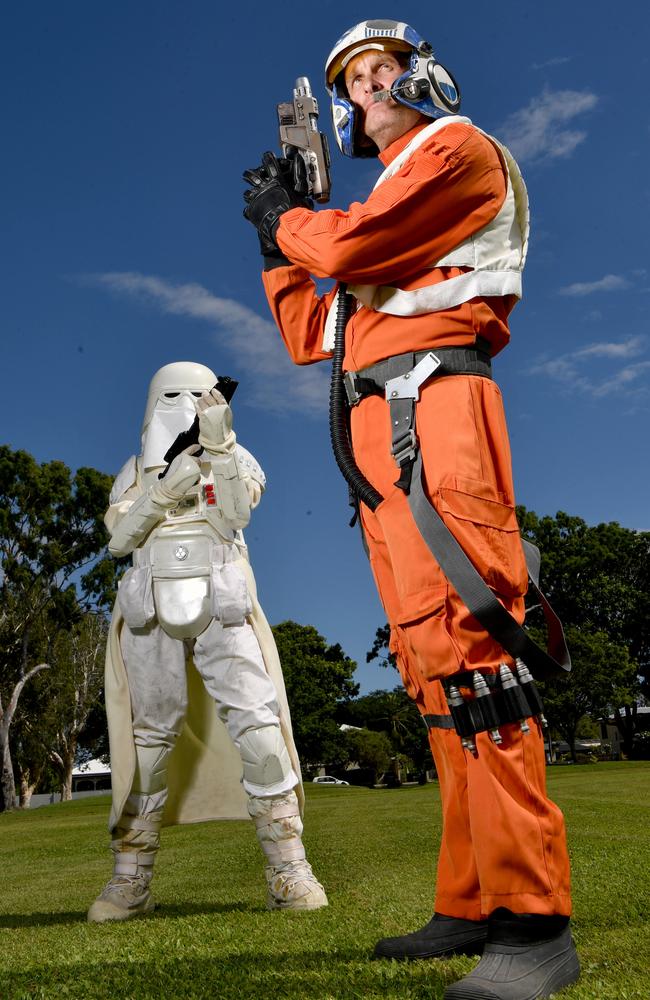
(562, 979)
(103, 913)
(301, 909)
(539, 986)
(469, 948)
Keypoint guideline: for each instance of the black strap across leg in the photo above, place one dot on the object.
(475, 593)
(399, 379)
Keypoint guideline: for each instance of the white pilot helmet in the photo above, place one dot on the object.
(425, 84)
(170, 406)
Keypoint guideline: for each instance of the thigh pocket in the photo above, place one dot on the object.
(487, 530)
(135, 597)
(231, 601)
(419, 583)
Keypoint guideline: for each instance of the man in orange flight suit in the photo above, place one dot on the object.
(434, 259)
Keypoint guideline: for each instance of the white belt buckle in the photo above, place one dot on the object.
(407, 386)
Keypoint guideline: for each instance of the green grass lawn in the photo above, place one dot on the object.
(375, 851)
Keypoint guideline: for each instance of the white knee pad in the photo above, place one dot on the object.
(265, 759)
(150, 769)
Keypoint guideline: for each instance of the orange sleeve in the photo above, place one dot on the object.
(298, 311)
(450, 187)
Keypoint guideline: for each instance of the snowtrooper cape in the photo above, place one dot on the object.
(204, 770)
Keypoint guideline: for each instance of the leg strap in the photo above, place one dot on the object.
(133, 863)
(278, 826)
(139, 823)
(477, 596)
(438, 721)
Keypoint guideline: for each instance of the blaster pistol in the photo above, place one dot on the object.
(185, 439)
(298, 120)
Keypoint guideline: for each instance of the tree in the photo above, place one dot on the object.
(318, 679)
(66, 695)
(625, 720)
(602, 675)
(397, 716)
(371, 750)
(79, 673)
(28, 755)
(51, 531)
(380, 648)
(597, 577)
(7, 712)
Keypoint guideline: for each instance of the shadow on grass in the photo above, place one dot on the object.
(191, 909)
(299, 975)
(164, 910)
(41, 919)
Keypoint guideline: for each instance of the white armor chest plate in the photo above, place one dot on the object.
(184, 553)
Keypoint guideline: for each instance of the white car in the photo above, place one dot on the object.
(327, 779)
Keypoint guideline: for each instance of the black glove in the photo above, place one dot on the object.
(294, 171)
(276, 186)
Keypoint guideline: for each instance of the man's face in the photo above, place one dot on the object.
(382, 121)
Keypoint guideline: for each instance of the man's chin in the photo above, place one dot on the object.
(375, 122)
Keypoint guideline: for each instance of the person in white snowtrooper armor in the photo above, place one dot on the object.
(190, 595)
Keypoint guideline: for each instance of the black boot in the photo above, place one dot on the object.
(526, 957)
(441, 937)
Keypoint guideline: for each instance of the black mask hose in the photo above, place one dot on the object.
(339, 434)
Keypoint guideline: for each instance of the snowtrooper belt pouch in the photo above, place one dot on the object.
(191, 580)
(231, 601)
(135, 597)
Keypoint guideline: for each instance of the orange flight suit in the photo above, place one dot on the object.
(503, 841)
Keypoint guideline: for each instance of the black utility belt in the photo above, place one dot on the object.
(372, 381)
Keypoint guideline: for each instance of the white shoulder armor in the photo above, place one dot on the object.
(124, 480)
(249, 465)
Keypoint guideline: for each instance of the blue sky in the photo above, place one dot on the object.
(126, 127)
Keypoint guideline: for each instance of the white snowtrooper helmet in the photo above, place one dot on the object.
(170, 406)
(425, 85)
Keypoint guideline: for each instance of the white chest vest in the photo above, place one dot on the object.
(496, 254)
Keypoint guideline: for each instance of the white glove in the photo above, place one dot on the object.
(254, 491)
(130, 527)
(215, 423)
(182, 475)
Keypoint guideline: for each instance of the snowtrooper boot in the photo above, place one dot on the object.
(291, 883)
(135, 845)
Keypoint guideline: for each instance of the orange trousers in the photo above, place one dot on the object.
(503, 840)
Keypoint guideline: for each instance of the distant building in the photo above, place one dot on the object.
(93, 776)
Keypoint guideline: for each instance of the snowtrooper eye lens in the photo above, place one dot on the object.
(197, 394)
(171, 395)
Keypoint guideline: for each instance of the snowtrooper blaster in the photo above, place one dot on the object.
(298, 120)
(185, 439)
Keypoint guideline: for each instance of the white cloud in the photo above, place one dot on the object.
(568, 369)
(610, 283)
(553, 61)
(629, 348)
(274, 382)
(539, 132)
(623, 379)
